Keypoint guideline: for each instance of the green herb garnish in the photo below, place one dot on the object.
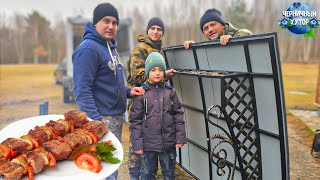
(105, 152)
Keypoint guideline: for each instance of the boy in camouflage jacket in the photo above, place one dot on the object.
(136, 63)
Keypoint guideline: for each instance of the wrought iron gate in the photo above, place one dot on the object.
(234, 108)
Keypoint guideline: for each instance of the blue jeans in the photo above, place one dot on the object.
(115, 126)
(149, 161)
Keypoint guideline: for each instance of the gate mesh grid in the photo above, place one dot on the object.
(239, 106)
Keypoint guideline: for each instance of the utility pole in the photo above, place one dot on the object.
(318, 88)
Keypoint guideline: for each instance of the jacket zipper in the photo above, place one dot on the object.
(158, 92)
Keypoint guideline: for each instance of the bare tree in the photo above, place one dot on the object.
(58, 35)
(138, 22)
(2, 33)
(19, 25)
(38, 26)
(27, 33)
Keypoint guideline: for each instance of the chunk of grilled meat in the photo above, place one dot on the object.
(98, 128)
(11, 171)
(75, 140)
(47, 156)
(35, 160)
(60, 150)
(58, 129)
(17, 145)
(78, 118)
(41, 134)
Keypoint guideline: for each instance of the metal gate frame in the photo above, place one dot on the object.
(244, 80)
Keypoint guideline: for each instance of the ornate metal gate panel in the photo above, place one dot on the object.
(234, 108)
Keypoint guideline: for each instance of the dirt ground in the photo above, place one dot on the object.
(24, 87)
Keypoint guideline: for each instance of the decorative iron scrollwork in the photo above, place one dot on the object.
(221, 154)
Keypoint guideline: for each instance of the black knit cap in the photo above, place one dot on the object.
(102, 10)
(155, 21)
(211, 15)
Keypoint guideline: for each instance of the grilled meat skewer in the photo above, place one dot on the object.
(34, 161)
(41, 134)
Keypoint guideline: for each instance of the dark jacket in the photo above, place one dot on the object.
(156, 122)
(97, 89)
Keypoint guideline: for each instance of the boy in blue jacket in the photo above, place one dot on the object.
(156, 121)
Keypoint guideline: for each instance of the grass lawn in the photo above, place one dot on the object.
(24, 87)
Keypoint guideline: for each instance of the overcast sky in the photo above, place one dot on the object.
(66, 8)
(57, 9)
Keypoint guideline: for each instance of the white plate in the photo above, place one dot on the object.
(64, 169)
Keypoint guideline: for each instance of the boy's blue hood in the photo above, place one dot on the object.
(91, 33)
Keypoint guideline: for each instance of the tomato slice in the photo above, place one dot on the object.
(92, 136)
(7, 152)
(30, 173)
(108, 141)
(34, 142)
(13, 153)
(89, 162)
(52, 159)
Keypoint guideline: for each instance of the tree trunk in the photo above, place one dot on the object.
(35, 41)
(307, 50)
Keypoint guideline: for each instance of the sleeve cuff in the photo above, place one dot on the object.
(128, 92)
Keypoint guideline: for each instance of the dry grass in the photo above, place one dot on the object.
(300, 78)
(24, 87)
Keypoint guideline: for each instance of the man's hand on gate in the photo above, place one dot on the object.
(186, 44)
(225, 39)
